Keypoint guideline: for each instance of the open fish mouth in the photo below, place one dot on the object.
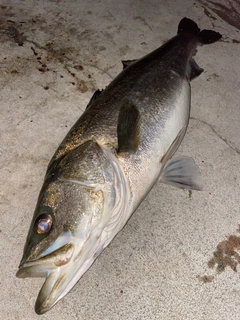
(52, 266)
(62, 269)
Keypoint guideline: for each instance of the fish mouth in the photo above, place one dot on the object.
(62, 269)
(54, 267)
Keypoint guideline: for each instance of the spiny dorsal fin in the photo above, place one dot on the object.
(127, 63)
(94, 97)
(128, 129)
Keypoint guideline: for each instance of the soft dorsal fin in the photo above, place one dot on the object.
(128, 128)
(94, 97)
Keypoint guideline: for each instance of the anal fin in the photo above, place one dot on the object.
(182, 172)
(195, 70)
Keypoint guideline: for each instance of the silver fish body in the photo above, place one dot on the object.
(111, 158)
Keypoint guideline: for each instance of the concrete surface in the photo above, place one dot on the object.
(53, 56)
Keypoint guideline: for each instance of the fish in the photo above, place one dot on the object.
(119, 148)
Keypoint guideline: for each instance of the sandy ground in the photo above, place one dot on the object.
(53, 56)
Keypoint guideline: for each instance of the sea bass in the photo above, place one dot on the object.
(111, 158)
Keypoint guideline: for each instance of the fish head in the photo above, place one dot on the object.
(66, 232)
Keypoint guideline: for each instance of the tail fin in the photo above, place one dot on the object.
(205, 36)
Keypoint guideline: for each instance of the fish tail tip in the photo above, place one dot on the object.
(188, 25)
(209, 36)
(204, 36)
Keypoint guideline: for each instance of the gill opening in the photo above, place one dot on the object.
(122, 194)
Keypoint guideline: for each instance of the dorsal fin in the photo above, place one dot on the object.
(94, 97)
(127, 63)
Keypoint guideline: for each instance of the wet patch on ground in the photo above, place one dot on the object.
(229, 11)
(227, 254)
(46, 45)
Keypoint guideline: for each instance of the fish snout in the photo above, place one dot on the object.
(44, 264)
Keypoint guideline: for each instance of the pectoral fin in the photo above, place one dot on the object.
(182, 172)
(128, 129)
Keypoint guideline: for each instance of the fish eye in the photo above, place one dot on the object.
(43, 224)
